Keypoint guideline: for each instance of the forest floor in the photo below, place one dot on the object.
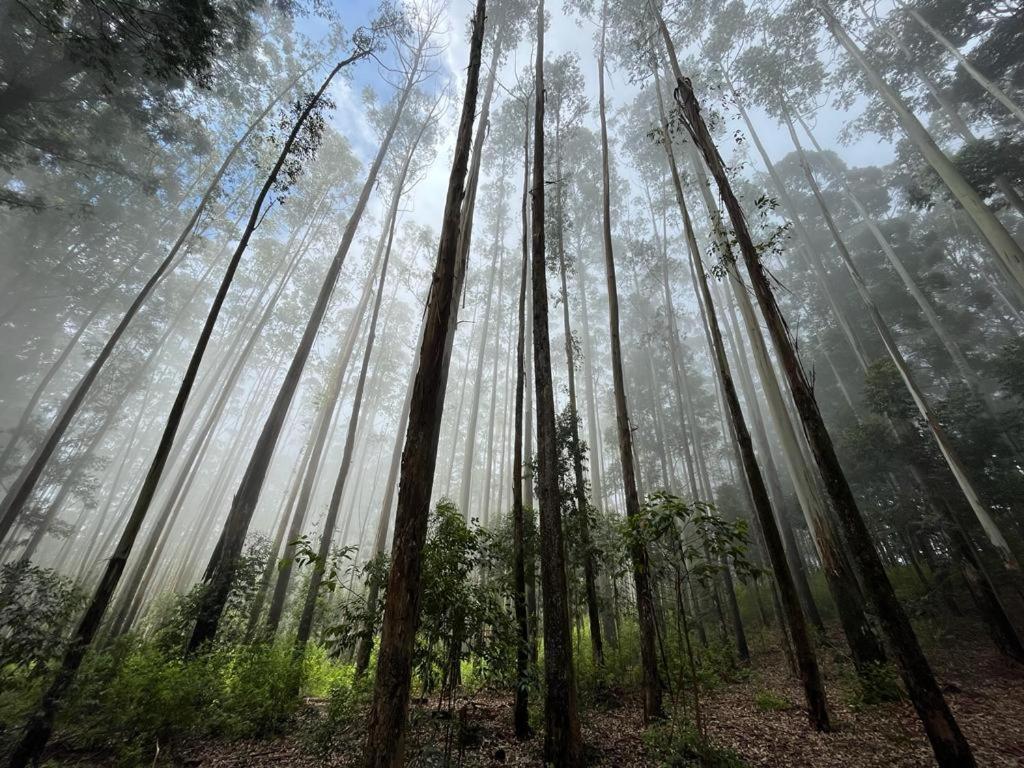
(758, 717)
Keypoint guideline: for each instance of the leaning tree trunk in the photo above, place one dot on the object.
(385, 744)
(334, 389)
(807, 253)
(807, 664)
(948, 743)
(865, 647)
(40, 725)
(993, 90)
(19, 492)
(364, 645)
(327, 536)
(942, 440)
(562, 742)
(221, 570)
(128, 602)
(925, 304)
(1008, 253)
(952, 114)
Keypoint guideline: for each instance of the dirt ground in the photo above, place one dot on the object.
(985, 692)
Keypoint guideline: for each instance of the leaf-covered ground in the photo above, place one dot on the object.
(758, 716)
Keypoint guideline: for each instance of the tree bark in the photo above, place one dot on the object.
(563, 746)
(638, 553)
(221, 570)
(387, 722)
(521, 713)
(948, 743)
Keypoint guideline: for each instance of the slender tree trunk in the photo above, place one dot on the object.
(40, 725)
(993, 90)
(364, 646)
(327, 536)
(942, 440)
(810, 676)
(1006, 250)
(128, 605)
(387, 722)
(950, 747)
(641, 565)
(582, 503)
(278, 559)
(221, 570)
(593, 435)
(334, 391)
(521, 714)
(19, 492)
(563, 746)
(485, 496)
(953, 117)
(469, 447)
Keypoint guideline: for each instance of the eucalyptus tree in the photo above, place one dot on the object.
(409, 137)
(901, 40)
(947, 741)
(21, 489)
(807, 664)
(403, 180)
(564, 111)
(562, 741)
(60, 64)
(385, 742)
(41, 723)
(1007, 252)
(415, 49)
(329, 172)
(521, 713)
(767, 84)
(507, 20)
(641, 572)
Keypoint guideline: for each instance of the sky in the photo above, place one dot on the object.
(567, 33)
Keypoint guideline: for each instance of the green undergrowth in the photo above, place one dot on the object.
(136, 696)
(677, 744)
(877, 684)
(771, 701)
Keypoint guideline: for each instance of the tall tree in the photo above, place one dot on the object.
(948, 742)
(385, 743)
(641, 566)
(1008, 253)
(221, 569)
(37, 733)
(20, 491)
(521, 712)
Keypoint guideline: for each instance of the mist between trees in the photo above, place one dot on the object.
(460, 383)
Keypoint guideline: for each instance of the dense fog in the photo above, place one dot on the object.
(548, 359)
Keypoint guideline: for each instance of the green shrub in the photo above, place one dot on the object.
(877, 684)
(135, 696)
(37, 606)
(678, 745)
(769, 701)
(341, 719)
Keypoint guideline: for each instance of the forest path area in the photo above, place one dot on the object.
(756, 717)
(985, 692)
